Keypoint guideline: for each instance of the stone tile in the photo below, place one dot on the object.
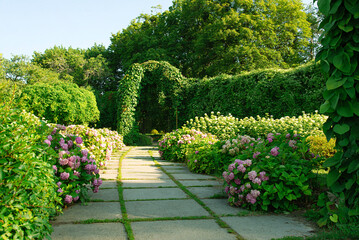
(200, 182)
(156, 193)
(108, 176)
(221, 207)
(191, 176)
(109, 171)
(164, 208)
(206, 192)
(108, 184)
(267, 227)
(180, 229)
(140, 169)
(103, 231)
(148, 183)
(94, 210)
(137, 163)
(144, 176)
(105, 194)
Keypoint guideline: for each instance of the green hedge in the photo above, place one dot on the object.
(107, 105)
(60, 102)
(274, 91)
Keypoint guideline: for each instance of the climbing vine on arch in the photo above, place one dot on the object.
(148, 93)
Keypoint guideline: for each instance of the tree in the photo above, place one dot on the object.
(314, 17)
(19, 69)
(206, 38)
(86, 67)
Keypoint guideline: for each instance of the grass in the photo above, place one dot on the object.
(125, 219)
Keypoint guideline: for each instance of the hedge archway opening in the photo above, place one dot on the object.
(148, 99)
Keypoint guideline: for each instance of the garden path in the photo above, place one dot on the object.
(148, 198)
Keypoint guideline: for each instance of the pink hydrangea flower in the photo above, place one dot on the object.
(48, 142)
(55, 168)
(63, 161)
(237, 181)
(60, 190)
(70, 144)
(255, 193)
(231, 176)
(64, 176)
(256, 154)
(76, 198)
(241, 168)
(257, 181)
(68, 199)
(274, 151)
(196, 152)
(231, 167)
(58, 184)
(248, 162)
(252, 175)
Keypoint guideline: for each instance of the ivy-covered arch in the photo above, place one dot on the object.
(148, 84)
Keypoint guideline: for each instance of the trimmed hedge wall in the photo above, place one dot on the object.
(274, 91)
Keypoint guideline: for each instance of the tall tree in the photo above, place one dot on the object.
(206, 37)
(86, 67)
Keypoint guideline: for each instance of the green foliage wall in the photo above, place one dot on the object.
(60, 102)
(277, 92)
(339, 60)
(147, 92)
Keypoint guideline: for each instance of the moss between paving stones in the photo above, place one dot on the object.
(219, 221)
(126, 222)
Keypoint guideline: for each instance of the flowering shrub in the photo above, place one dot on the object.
(173, 146)
(235, 146)
(28, 195)
(271, 174)
(305, 125)
(224, 127)
(99, 143)
(74, 168)
(320, 145)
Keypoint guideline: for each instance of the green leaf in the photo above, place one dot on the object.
(353, 166)
(355, 107)
(334, 218)
(342, 62)
(332, 176)
(331, 161)
(353, 7)
(341, 128)
(325, 66)
(335, 6)
(345, 109)
(324, 6)
(349, 183)
(335, 82)
(324, 107)
(344, 142)
(323, 221)
(350, 92)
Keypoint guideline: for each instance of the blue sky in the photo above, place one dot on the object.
(35, 25)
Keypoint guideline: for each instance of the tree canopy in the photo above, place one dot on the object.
(207, 38)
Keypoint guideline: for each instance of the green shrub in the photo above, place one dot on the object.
(28, 194)
(60, 102)
(107, 105)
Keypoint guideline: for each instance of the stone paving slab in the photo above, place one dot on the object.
(144, 176)
(109, 171)
(137, 163)
(206, 229)
(105, 194)
(164, 208)
(108, 184)
(141, 169)
(109, 176)
(200, 182)
(221, 207)
(103, 231)
(267, 227)
(156, 193)
(148, 183)
(191, 176)
(206, 192)
(94, 210)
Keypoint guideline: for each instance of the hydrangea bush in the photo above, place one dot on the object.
(273, 173)
(74, 167)
(99, 143)
(173, 146)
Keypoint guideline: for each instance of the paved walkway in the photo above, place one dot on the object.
(156, 199)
